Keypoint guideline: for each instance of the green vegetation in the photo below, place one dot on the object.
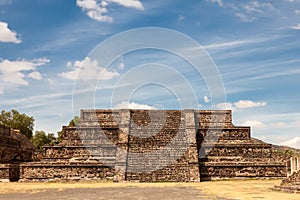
(75, 121)
(40, 139)
(15, 120)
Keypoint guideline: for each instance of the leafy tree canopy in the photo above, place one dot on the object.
(75, 121)
(16, 120)
(40, 138)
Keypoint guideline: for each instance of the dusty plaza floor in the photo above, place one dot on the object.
(233, 189)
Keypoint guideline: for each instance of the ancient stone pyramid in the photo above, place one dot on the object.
(155, 145)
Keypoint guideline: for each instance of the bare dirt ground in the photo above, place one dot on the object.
(233, 189)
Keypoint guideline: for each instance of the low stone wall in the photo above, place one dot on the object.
(41, 171)
(240, 170)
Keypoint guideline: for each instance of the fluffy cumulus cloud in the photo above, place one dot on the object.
(294, 142)
(7, 35)
(98, 10)
(133, 105)
(240, 105)
(129, 3)
(87, 69)
(35, 75)
(16, 72)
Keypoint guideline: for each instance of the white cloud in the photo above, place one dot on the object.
(245, 18)
(239, 105)
(242, 104)
(94, 10)
(228, 44)
(98, 10)
(280, 125)
(254, 123)
(294, 142)
(258, 7)
(296, 124)
(206, 99)
(292, 1)
(129, 3)
(297, 12)
(224, 106)
(133, 105)
(14, 72)
(219, 2)
(7, 35)
(88, 69)
(35, 75)
(247, 11)
(297, 27)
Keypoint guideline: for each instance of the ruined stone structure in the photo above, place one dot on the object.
(155, 145)
(292, 182)
(14, 148)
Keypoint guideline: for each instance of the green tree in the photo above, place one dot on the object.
(16, 120)
(75, 121)
(59, 136)
(40, 139)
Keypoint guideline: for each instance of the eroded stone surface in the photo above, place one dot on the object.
(156, 145)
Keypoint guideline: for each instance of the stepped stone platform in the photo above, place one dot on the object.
(155, 145)
(14, 148)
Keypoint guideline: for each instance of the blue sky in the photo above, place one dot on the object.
(254, 44)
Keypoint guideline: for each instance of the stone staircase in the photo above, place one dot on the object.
(158, 147)
(154, 145)
(228, 151)
(87, 151)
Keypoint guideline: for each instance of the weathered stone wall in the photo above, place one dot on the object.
(160, 148)
(9, 172)
(228, 151)
(155, 145)
(14, 148)
(45, 171)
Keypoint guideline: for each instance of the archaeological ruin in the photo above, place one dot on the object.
(14, 149)
(292, 182)
(153, 145)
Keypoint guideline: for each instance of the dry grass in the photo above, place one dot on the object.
(234, 189)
